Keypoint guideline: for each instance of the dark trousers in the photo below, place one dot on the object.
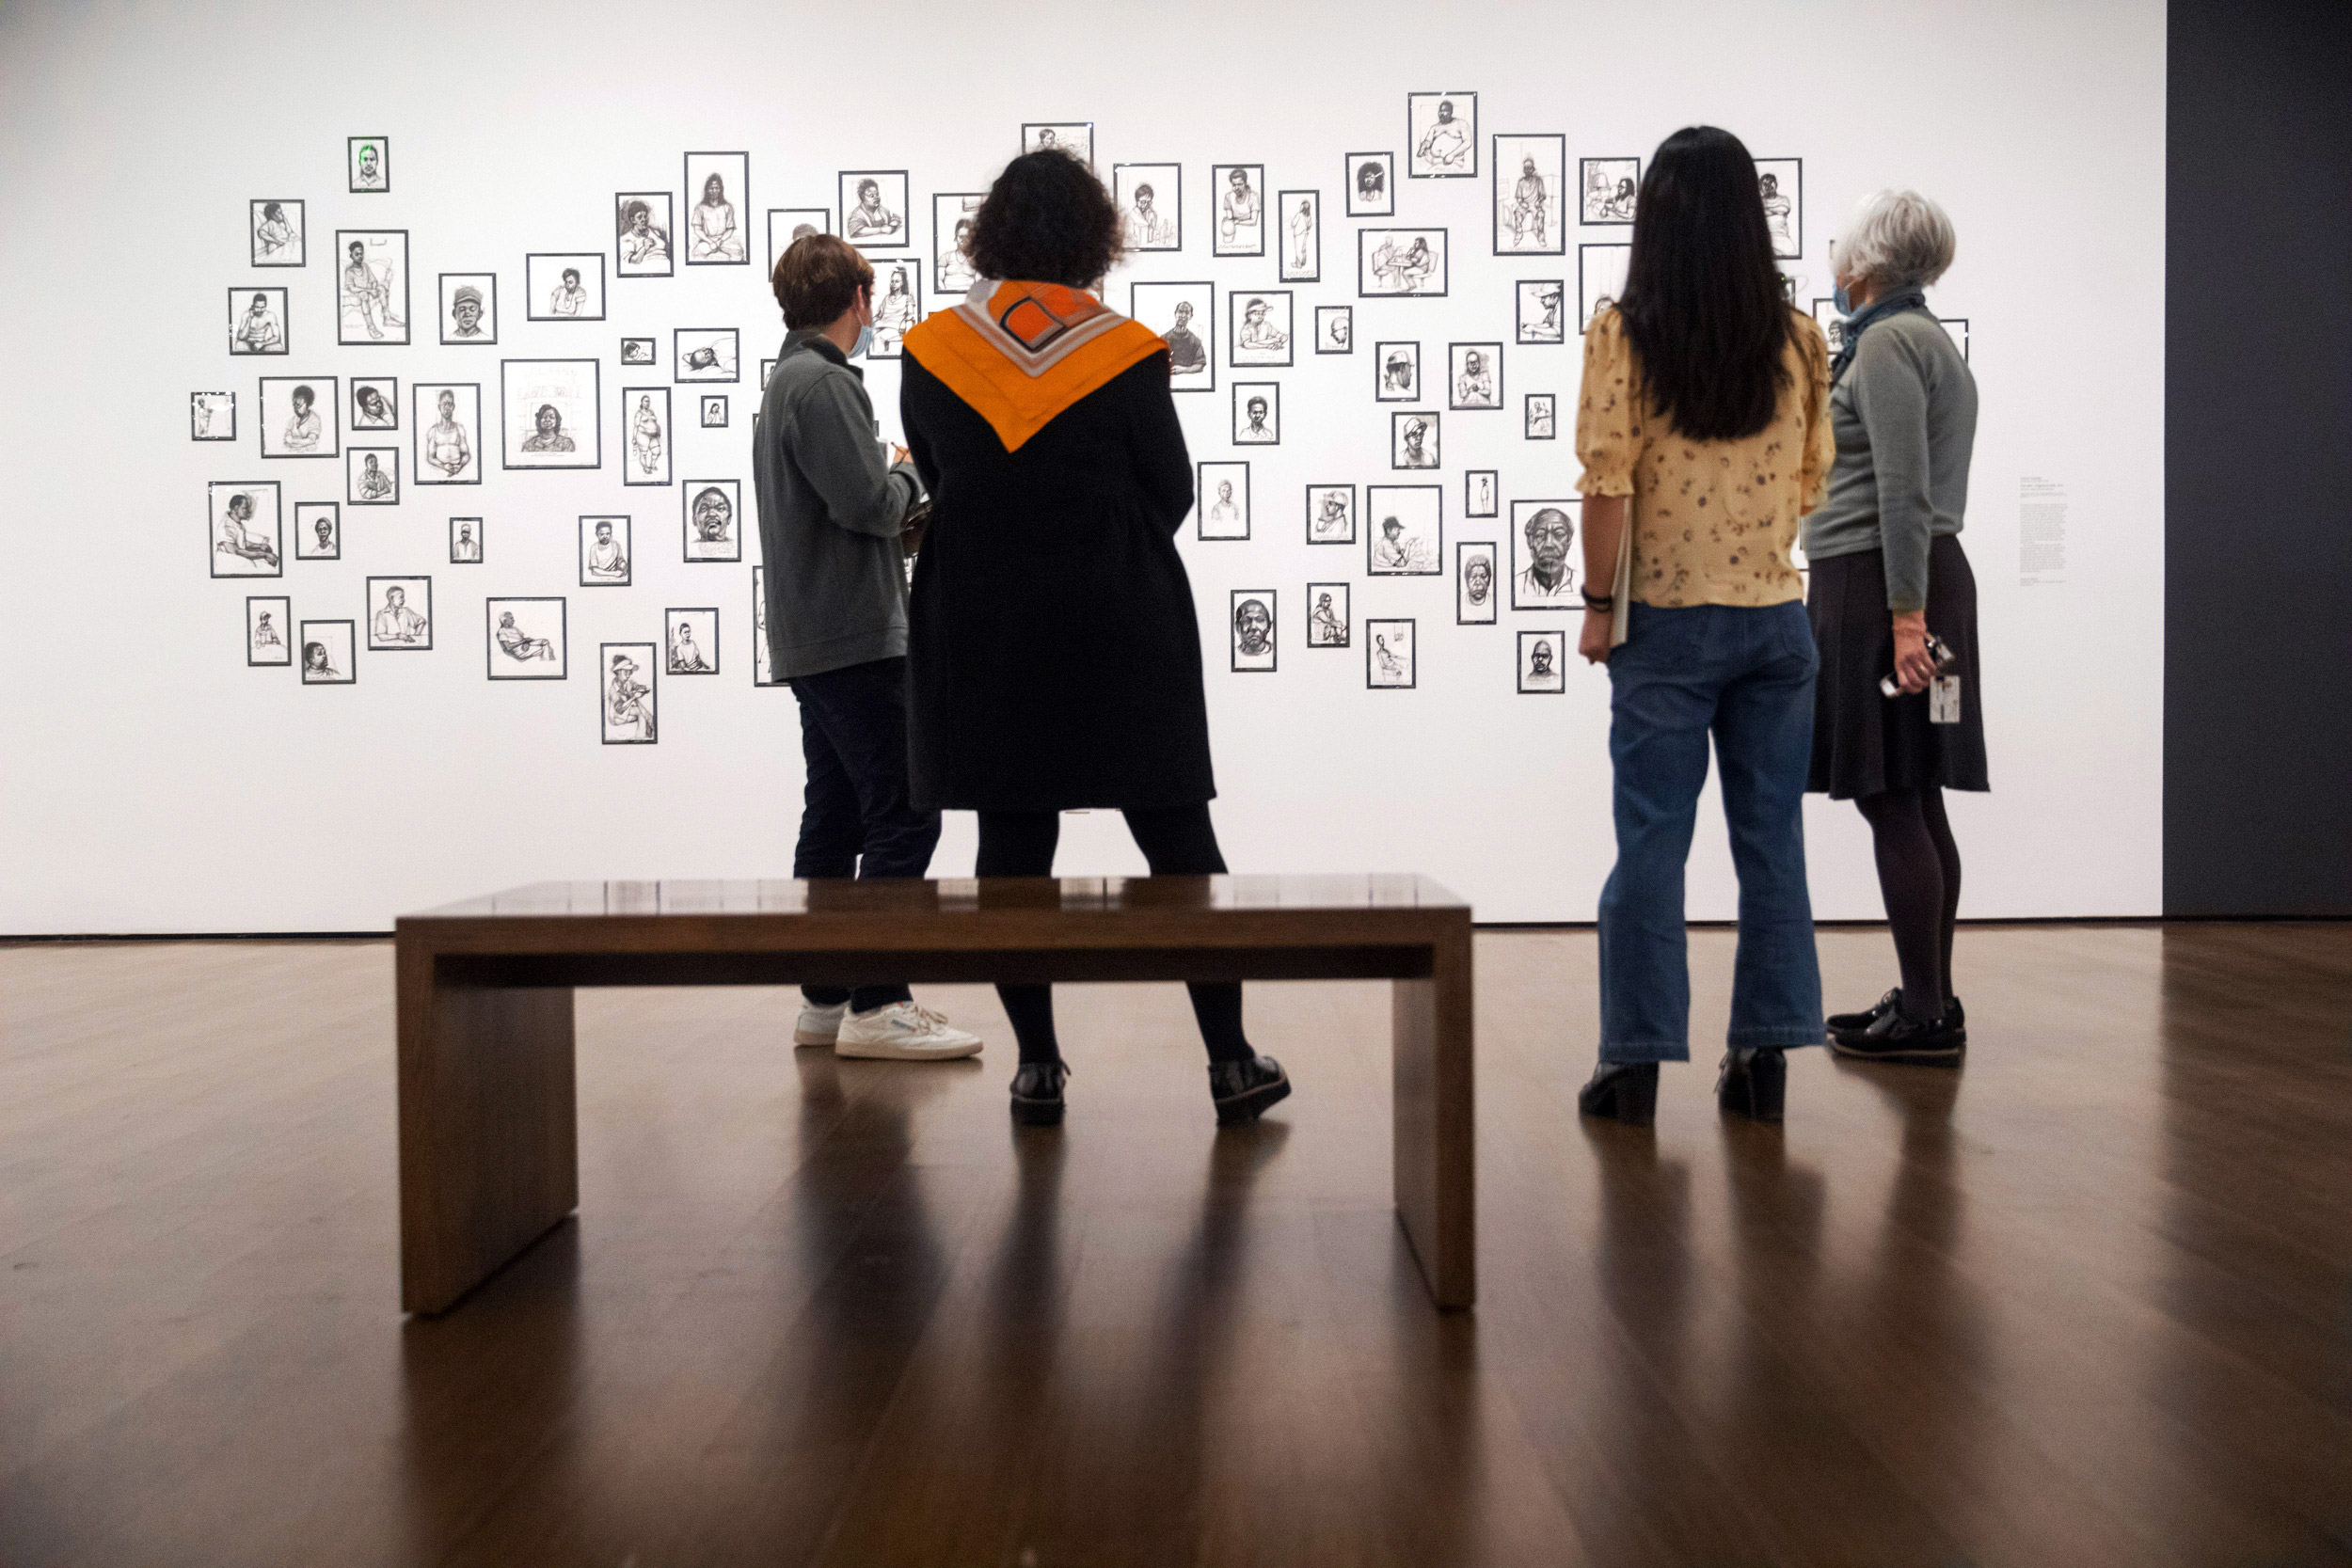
(1176, 841)
(856, 817)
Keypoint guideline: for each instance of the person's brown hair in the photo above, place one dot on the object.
(1046, 220)
(818, 277)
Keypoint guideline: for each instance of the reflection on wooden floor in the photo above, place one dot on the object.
(2087, 1302)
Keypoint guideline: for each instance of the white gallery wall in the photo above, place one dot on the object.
(152, 781)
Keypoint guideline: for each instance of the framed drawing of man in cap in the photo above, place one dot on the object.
(470, 309)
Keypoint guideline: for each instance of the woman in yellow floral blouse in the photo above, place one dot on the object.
(1704, 432)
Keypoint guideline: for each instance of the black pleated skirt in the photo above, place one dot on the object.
(1863, 741)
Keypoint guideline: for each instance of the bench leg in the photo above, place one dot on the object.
(1436, 1157)
(488, 1128)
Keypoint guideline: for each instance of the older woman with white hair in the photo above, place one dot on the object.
(1898, 716)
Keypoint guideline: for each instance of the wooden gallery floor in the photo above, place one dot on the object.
(2089, 1302)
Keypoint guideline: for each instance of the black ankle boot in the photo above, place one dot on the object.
(1754, 1084)
(1622, 1091)
(1242, 1090)
(1926, 1042)
(1037, 1093)
(1855, 1023)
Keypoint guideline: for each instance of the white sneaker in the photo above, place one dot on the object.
(905, 1032)
(818, 1025)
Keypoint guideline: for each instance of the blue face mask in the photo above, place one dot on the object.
(866, 341)
(1838, 298)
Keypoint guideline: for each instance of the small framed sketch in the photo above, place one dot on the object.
(247, 530)
(714, 411)
(1413, 441)
(1335, 329)
(268, 623)
(705, 353)
(1475, 594)
(631, 677)
(528, 640)
(371, 476)
(1262, 328)
(1331, 514)
(786, 224)
(1832, 322)
(1442, 133)
(299, 415)
(637, 351)
(469, 309)
(874, 209)
(1184, 316)
(604, 547)
(713, 518)
(374, 403)
(1530, 196)
(400, 614)
(329, 653)
(953, 212)
(1607, 188)
(646, 424)
(447, 426)
(549, 415)
(1371, 184)
(1397, 372)
(278, 238)
(1541, 532)
(898, 304)
(642, 226)
(371, 286)
(1328, 620)
(1401, 263)
(465, 541)
(1150, 199)
(1955, 327)
(1543, 663)
(1542, 422)
(1480, 490)
(1253, 622)
(1781, 183)
(689, 641)
(1239, 192)
(1542, 319)
(1473, 376)
(212, 416)
(718, 194)
(1389, 650)
(1406, 535)
(563, 287)
(1299, 216)
(318, 531)
(1221, 502)
(370, 164)
(763, 666)
(1599, 280)
(257, 321)
(1257, 412)
(1076, 137)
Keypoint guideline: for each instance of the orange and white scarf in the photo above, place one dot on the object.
(1021, 354)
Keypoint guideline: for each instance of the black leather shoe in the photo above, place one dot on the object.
(1855, 1024)
(1242, 1090)
(1622, 1091)
(1936, 1042)
(1037, 1093)
(1754, 1084)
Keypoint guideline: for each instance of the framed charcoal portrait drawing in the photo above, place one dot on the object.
(1076, 137)
(645, 435)
(874, 211)
(637, 351)
(604, 551)
(1401, 263)
(374, 403)
(704, 354)
(630, 675)
(1477, 589)
(1473, 376)
(1405, 536)
(257, 321)
(689, 641)
(371, 476)
(1371, 184)
(549, 415)
(278, 232)
(1396, 372)
(1543, 423)
(1531, 195)
(952, 216)
(470, 309)
(1335, 329)
(400, 614)
(1390, 662)
(371, 286)
(898, 304)
(329, 653)
(1543, 663)
(1607, 189)
(1441, 135)
(1221, 502)
(1331, 514)
(714, 411)
(269, 631)
(528, 639)
(246, 528)
(712, 519)
(1251, 626)
(1150, 198)
(466, 541)
(370, 165)
(1257, 412)
(318, 531)
(642, 234)
(1329, 623)
(1183, 314)
(1413, 440)
(1542, 314)
(1238, 191)
(1542, 534)
(1298, 227)
(446, 423)
(718, 204)
(301, 416)
(563, 287)
(763, 667)
(1262, 328)
(1781, 184)
(1481, 490)
(212, 416)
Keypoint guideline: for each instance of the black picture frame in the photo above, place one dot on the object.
(537, 264)
(422, 433)
(1125, 180)
(671, 619)
(1346, 618)
(278, 341)
(447, 286)
(374, 604)
(1547, 405)
(1371, 244)
(350, 674)
(1779, 170)
(1032, 143)
(306, 521)
(345, 338)
(1238, 301)
(624, 535)
(1525, 596)
(1220, 178)
(633, 468)
(639, 351)
(352, 166)
(1375, 643)
(1443, 108)
(285, 630)
(1465, 613)
(1205, 472)
(662, 219)
(1590, 269)
(1344, 317)
(1286, 266)
(951, 282)
(1246, 392)
(1355, 176)
(205, 422)
(689, 494)
(586, 435)
(1552, 239)
(1377, 501)
(561, 641)
(1456, 368)
(327, 403)
(1154, 302)
(723, 369)
(650, 660)
(356, 475)
(295, 252)
(862, 230)
(793, 218)
(1557, 639)
(1478, 503)
(1401, 423)
(1235, 600)
(1527, 294)
(741, 199)
(387, 391)
(480, 531)
(1316, 497)
(714, 411)
(1386, 353)
(1595, 176)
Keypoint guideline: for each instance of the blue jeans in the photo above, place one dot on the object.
(1746, 677)
(856, 817)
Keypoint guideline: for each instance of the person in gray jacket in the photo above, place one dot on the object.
(1892, 601)
(833, 509)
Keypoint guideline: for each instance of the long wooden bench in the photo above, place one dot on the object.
(488, 1124)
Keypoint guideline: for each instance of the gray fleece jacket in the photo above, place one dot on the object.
(829, 510)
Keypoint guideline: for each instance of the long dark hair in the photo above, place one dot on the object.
(1702, 301)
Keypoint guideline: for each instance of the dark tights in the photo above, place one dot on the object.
(1176, 842)
(1920, 875)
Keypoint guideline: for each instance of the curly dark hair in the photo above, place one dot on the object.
(1046, 220)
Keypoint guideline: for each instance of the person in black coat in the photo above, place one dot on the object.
(1054, 655)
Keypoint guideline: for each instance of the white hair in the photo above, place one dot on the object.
(1900, 238)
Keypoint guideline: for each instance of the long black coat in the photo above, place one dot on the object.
(1053, 653)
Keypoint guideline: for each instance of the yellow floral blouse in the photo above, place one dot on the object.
(1714, 522)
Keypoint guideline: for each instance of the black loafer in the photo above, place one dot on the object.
(1855, 1024)
(1621, 1091)
(1242, 1090)
(1754, 1084)
(1037, 1093)
(1937, 1043)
